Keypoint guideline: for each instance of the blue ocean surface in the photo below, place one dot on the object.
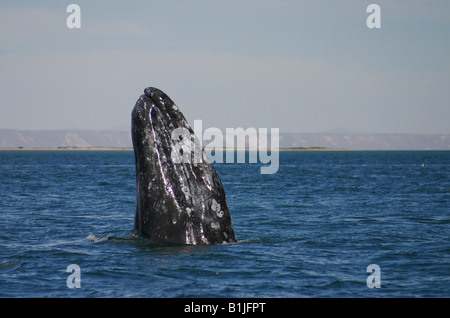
(310, 230)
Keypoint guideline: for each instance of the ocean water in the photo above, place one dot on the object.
(310, 230)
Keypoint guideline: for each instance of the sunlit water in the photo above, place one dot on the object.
(309, 230)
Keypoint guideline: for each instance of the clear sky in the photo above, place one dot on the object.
(301, 66)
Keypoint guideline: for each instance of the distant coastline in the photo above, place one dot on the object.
(66, 148)
(223, 149)
(131, 149)
(121, 140)
(311, 149)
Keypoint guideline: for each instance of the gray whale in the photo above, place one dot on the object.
(177, 201)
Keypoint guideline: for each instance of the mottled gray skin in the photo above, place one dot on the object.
(175, 202)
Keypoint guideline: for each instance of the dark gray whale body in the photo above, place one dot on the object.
(177, 201)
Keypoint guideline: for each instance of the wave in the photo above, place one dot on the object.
(96, 239)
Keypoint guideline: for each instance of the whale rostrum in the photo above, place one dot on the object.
(179, 196)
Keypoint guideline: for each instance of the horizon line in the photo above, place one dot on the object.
(281, 132)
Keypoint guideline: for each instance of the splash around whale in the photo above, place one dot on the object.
(177, 201)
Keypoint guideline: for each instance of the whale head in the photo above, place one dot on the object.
(179, 195)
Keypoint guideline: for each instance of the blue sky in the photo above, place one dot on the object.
(301, 66)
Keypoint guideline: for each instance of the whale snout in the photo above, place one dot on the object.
(158, 96)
